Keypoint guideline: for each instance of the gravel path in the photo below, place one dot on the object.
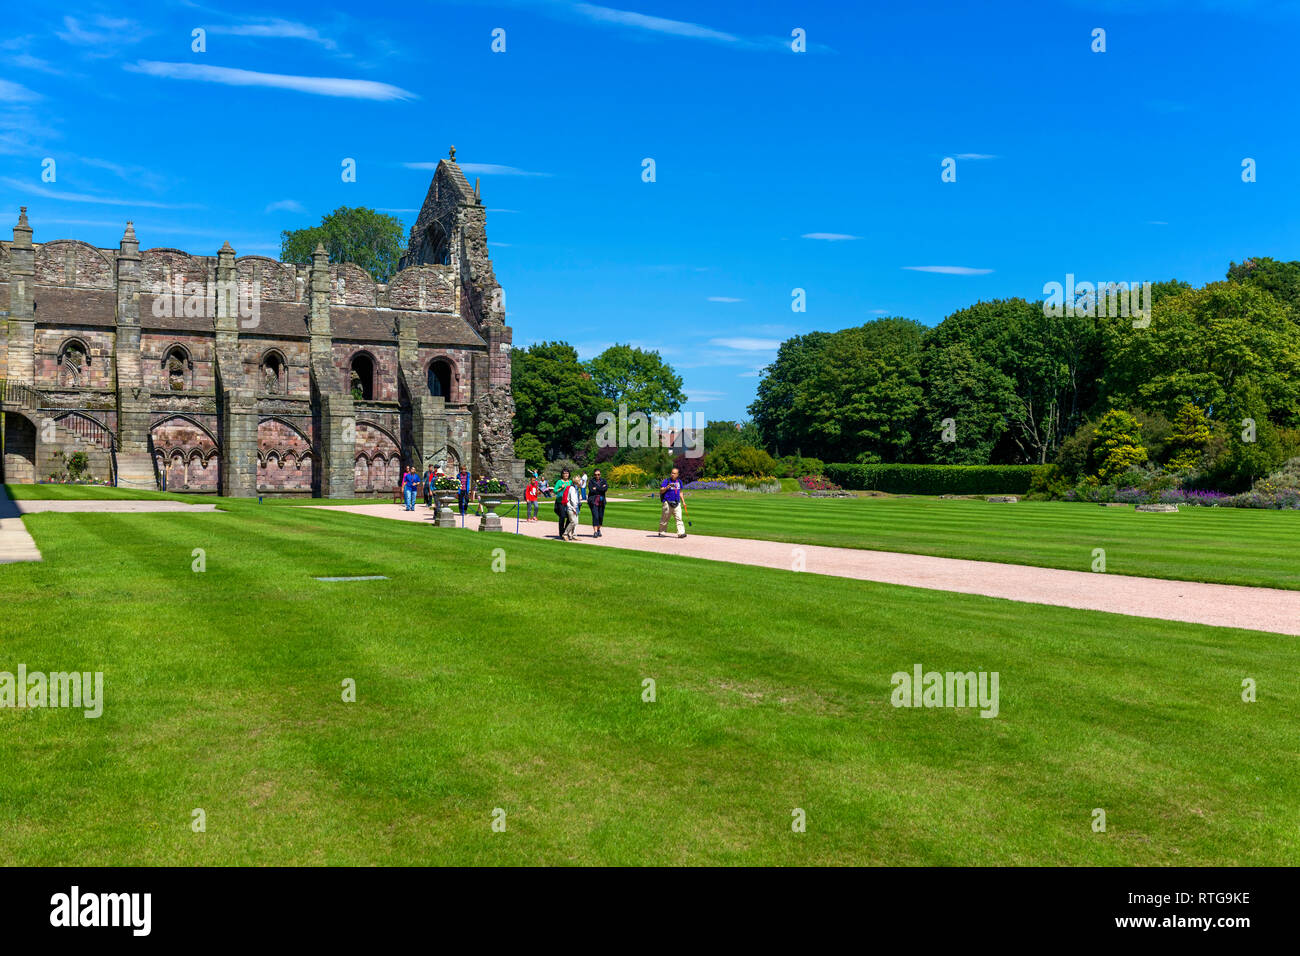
(1220, 605)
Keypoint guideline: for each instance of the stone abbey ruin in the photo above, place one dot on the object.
(244, 375)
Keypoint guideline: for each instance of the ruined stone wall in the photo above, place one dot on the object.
(71, 357)
(197, 370)
(94, 330)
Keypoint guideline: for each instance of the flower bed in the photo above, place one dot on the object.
(1285, 498)
(817, 483)
(765, 484)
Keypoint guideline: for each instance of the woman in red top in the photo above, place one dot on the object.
(530, 496)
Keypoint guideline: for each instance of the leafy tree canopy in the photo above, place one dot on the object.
(556, 399)
(638, 378)
(368, 238)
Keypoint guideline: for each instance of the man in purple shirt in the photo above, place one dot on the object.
(670, 493)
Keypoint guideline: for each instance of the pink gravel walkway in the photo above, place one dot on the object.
(1219, 605)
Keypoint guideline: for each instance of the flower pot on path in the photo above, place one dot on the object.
(490, 521)
(446, 508)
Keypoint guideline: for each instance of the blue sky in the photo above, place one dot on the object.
(775, 170)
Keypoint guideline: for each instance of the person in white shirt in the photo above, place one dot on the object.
(572, 503)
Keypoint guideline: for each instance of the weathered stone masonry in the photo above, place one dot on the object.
(157, 364)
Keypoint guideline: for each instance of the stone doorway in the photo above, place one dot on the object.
(19, 461)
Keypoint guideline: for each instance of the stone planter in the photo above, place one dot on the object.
(490, 521)
(1158, 509)
(446, 508)
(1002, 499)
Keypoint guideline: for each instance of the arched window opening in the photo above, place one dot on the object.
(440, 379)
(361, 381)
(177, 367)
(74, 359)
(439, 248)
(273, 373)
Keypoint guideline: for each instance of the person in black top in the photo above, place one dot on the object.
(596, 489)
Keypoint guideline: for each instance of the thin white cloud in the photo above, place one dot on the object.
(950, 270)
(480, 169)
(829, 236)
(976, 156)
(697, 396)
(746, 344)
(275, 29)
(105, 34)
(723, 298)
(630, 19)
(491, 169)
(387, 209)
(1156, 222)
(60, 196)
(318, 85)
(25, 61)
(286, 205)
(641, 21)
(16, 93)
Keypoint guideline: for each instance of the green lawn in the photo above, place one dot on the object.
(522, 690)
(1220, 545)
(58, 492)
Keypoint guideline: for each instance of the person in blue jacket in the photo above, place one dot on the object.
(410, 480)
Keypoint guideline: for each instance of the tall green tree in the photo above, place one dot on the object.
(638, 378)
(781, 424)
(1281, 280)
(1200, 346)
(724, 432)
(1040, 369)
(556, 399)
(966, 407)
(861, 401)
(363, 236)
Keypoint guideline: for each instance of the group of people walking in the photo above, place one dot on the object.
(412, 484)
(570, 495)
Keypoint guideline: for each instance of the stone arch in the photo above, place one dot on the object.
(352, 285)
(177, 367)
(160, 267)
(182, 433)
(437, 245)
(273, 372)
(422, 288)
(361, 472)
(442, 377)
(74, 362)
(363, 372)
(71, 262)
(19, 462)
(450, 457)
(381, 434)
(277, 281)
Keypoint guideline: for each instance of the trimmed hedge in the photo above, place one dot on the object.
(936, 479)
